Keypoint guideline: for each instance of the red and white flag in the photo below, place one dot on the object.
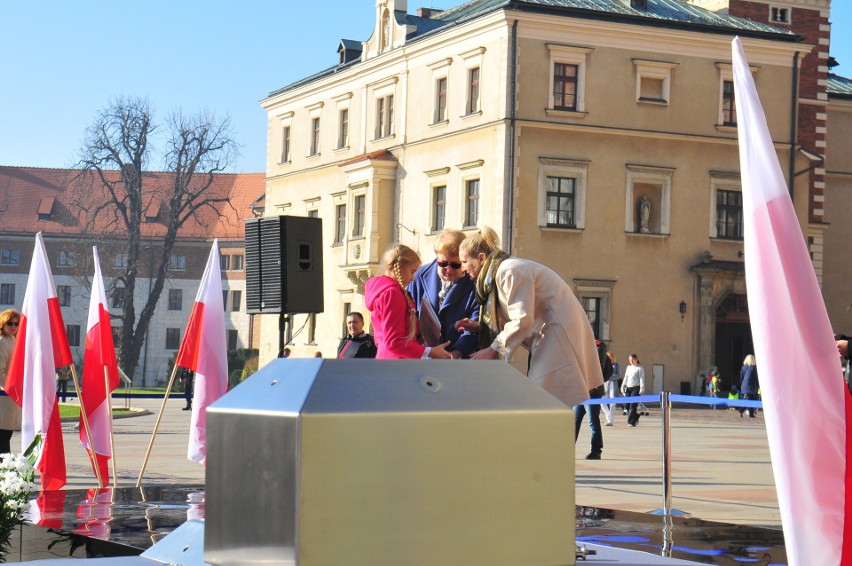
(41, 349)
(100, 354)
(807, 406)
(204, 351)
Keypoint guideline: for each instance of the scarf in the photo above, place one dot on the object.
(486, 294)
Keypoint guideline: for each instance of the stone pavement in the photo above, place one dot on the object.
(720, 464)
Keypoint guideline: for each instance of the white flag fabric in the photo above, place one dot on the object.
(204, 350)
(806, 403)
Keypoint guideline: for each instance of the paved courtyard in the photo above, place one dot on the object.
(720, 465)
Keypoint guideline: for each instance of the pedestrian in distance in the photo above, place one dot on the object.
(356, 344)
(595, 409)
(633, 386)
(611, 388)
(749, 384)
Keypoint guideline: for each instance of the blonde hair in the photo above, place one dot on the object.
(484, 241)
(611, 357)
(396, 257)
(448, 242)
(749, 360)
(7, 316)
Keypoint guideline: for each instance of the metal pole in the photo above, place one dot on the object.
(84, 414)
(666, 410)
(157, 425)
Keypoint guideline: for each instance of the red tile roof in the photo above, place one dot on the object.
(30, 193)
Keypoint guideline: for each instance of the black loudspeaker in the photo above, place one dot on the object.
(284, 265)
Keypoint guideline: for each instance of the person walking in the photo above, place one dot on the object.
(10, 412)
(749, 384)
(188, 385)
(595, 409)
(611, 388)
(632, 386)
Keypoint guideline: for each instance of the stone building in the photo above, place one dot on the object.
(38, 200)
(597, 137)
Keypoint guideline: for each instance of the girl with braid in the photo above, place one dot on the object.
(527, 304)
(394, 314)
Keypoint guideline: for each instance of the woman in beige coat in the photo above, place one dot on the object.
(527, 304)
(10, 413)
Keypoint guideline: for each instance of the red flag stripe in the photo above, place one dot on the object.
(61, 347)
(188, 354)
(52, 463)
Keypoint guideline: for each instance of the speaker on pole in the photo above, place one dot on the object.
(284, 265)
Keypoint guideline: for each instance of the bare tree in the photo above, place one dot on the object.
(115, 193)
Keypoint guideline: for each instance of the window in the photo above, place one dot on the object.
(565, 86)
(224, 262)
(471, 213)
(237, 262)
(562, 193)
(10, 257)
(63, 292)
(116, 336)
(729, 107)
(559, 207)
(343, 128)
(779, 15)
(66, 259)
(177, 262)
(340, 227)
(233, 339)
(472, 90)
(315, 136)
(648, 199)
(653, 81)
(567, 77)
(120, 260)
(73, 333)
(225, 300)
(360, 215)
(313, 213)
(592, 306)
(347, 308)
(175, 299)
(440, 114)
(729, 214)
(236, 300)
(595, 295)
(118, 298)
(7, 293)
(172, 338)
(384, 116)
(439, 207)
(285, 144)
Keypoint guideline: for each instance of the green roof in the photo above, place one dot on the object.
(839, 86)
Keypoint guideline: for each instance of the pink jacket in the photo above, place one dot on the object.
(390, 314)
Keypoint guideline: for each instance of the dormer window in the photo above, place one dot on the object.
(152, 213)
(45, 208)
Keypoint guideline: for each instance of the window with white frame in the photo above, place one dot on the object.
(63, 293)
(10, 257)
(7, 293)
(236, 300)
(472, 104)
(360, 215)
(562, 192)
(471, 202)
(653, 81)
(727, 116)
(340, 224)
(65, 259)
(175, 299)
(440, 105)
(384, 116)
(315, 136)
(286, 121)
(342, 128)
(596, 297)
(780, 15)
(473, 65)
(727, 206)
(567, 77)
(177, 262)
(224, 262)
(648, 199)
(439, 207)
(120, 260)
(237, 262)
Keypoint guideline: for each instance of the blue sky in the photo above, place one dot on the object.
(61, 62)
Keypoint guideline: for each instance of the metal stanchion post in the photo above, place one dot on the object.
(666, 410)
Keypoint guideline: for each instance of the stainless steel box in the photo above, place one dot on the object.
(398, 462)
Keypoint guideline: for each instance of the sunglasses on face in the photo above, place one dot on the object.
(453, 264)
(11, 324)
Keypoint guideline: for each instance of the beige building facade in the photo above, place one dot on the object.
(600, 142)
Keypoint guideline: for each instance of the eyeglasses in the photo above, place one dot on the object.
(453, 264)
(11, 324)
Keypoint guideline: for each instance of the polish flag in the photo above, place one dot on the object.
(41, 348)
(204, 351)
(807, 405)
(100, 354)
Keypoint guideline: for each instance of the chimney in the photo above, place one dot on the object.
(639, 5)
(428, 12)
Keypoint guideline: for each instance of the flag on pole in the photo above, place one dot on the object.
(806, 403)
(99, 354)
(41, 349)
(204, 351)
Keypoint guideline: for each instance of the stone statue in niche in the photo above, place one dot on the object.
(644, 215)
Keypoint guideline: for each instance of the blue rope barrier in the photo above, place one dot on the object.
(688, 399)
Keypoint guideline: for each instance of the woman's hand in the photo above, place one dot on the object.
(484, 354)
(440, 352)
(467, 324)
